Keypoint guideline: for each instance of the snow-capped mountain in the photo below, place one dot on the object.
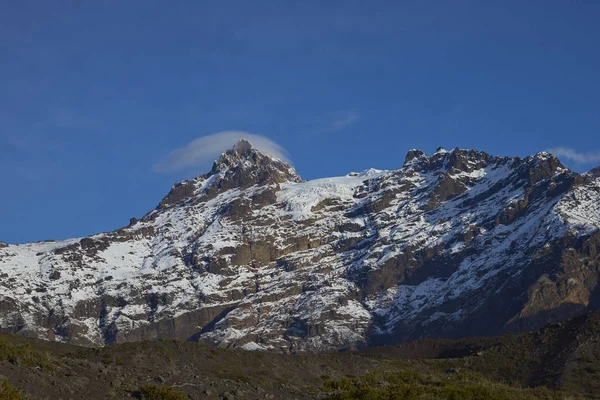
(453, 244)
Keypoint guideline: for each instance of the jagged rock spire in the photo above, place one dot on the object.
(244, 157)
(242, 146)
(239, 167)
(412, 154)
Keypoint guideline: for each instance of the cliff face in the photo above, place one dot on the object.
(453, 244)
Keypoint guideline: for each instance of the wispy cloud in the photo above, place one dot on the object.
(574, 155)
(328, 124)
(49, 133)
(63, 118)
(344, 122)
(39, 150)
(206, 149)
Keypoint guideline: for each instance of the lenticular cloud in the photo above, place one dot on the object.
(582, 158)
(207, 148)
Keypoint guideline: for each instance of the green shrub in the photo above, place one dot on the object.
(107, 359)
(394, 392)
(17, 351)
(465, 392)
(586, 358)
(7, 392)
(240, 377)
(344, 384)
(592, 369)
(405, 384)
(155, 392)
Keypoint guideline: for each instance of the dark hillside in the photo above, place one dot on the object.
(561, 361)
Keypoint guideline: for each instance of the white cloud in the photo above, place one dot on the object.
(344, 122)
(208, 148)
(330, 125)
(574, 155)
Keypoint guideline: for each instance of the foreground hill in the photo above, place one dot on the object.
(561, 361)
(459, 243)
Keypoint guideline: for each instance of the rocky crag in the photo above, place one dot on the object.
(459, 243)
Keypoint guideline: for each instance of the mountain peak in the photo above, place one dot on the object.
(245, 156)
(241, 150)
(414, 154)
(239, 167)
(446, 160)
(242, 146)
(594, 172)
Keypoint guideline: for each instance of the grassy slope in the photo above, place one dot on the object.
(562, 361)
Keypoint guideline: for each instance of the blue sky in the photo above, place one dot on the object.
(95, 93)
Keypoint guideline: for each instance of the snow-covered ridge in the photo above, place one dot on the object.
(250, 255)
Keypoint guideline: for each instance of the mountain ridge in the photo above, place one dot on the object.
(250, 255)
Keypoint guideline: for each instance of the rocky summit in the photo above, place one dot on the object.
(458, 243)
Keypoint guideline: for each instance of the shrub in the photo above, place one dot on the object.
(240, 377)
(344, 384)
(394, 392)
(586, 358)
(107, 359)
(7, 392)
(591, 369)
(155, 392)
(16, 351)
(464, 392)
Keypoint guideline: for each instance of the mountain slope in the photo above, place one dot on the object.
(561, 361)
(453, 244)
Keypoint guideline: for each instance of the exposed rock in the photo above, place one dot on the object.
(594, 172)
(412, 154)
(249, 255)
(180, 192)
(544, 167)
(447, 188)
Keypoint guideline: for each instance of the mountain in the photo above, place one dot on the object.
(455, 244)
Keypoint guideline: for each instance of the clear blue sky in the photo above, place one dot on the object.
(93, 94)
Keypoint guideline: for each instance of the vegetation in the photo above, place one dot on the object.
(19, 351)
(7, 392)
(559, 362)
(156, 392)
(407, 384)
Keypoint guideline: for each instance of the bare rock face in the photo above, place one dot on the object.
(594, 173)
(248, 255)
(239, 168)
